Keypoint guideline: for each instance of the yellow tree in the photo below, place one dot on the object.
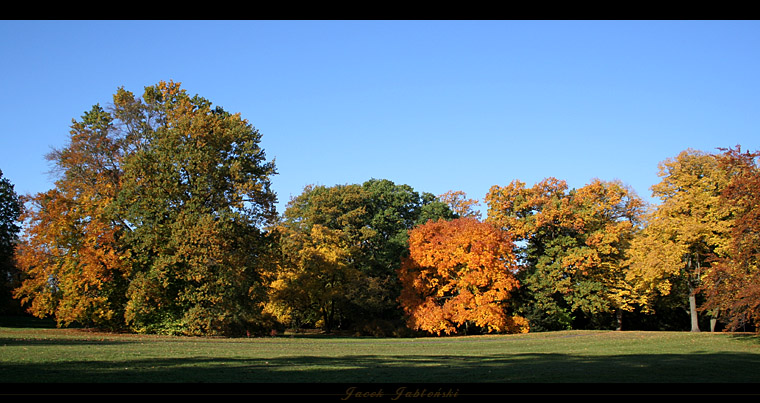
(320, 241)
(684, 231)
(459, 272)
(315, 276)
(607, 214)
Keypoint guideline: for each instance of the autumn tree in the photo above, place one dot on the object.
(74, 268)
(732, 284)
(459, 203)
(319, 239)
(365, 226)
(393, 209)
(10, 210)
(685, 231)
(156, 219)
(196, 191)
(572, 244)
(459, 274)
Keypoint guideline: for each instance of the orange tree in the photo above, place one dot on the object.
(73, 267)
(459, 273)
(459, 203)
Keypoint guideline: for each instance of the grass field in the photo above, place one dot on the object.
(50, 355)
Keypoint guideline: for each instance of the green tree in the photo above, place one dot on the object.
(572, 245)
(368, 223)
(156, 222)
(196, 192)
(10, 210)
(393, 210)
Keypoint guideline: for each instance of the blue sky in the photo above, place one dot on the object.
(437, 105)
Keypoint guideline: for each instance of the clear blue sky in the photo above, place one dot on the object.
(437, 105)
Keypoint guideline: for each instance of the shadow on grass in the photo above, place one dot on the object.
(27, 342)
(502, 369)
(26, 322)
(747, 337)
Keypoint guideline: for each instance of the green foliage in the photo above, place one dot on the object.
(162, 201)
(351, 237)
(572, 244)
(10, 210)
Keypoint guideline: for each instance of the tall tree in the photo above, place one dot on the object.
(685, 230)
(10, 210)
(74, 267)
(459, 273)
(196, 191)
(393, 209)
(732, 285)
(572, 245)
(156, 221)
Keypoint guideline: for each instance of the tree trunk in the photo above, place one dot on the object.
(693, 310)
(693, 282)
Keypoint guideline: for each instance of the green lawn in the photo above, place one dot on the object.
(49, 355)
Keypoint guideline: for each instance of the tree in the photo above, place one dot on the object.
(197, 192)
(459, 203)
(367, 226)
(73, 266)
(320, 240)
(156, 221)
(685, 230)
(572, 245)
(10, 210)
(732, 284)
(459, 273)
(393, 210)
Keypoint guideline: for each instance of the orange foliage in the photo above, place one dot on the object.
(459, 272)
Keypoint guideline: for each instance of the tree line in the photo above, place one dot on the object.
(162, 220)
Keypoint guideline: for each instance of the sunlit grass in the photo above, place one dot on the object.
(59, 355)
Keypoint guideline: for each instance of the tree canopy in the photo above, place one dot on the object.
(732, 284)
(459, 273)
(685, 231)
(156, 221)
(572, 244)
(10, 210)
(341, 246)
(162, 220)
